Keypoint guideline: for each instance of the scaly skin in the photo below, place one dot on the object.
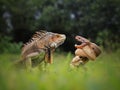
(85, 51)
(40, 48)
(83, 41)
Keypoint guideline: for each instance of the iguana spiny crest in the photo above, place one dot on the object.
(42, 43)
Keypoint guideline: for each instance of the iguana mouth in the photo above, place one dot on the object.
(63, 38)
(60, 43)
(57, 43)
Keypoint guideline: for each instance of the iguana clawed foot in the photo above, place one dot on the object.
(85, 51)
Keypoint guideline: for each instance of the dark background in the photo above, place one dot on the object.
(97, 20)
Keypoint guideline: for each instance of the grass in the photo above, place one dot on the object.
(102, 74)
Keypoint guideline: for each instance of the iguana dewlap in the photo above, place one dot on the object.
(41, 47)
(85, 51)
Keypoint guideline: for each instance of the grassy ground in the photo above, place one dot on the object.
(102, 74)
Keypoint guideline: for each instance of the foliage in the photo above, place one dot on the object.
(89, 18)
(100, 75)
(6, 46)
(108, 42)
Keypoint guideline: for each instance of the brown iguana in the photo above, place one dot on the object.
(40, 48)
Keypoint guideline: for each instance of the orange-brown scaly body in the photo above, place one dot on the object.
(41, 47)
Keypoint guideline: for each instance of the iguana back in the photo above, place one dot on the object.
(40, 47)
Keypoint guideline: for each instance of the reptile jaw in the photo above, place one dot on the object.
(63, 38)
(59, 42)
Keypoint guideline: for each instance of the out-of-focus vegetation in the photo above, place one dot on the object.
(102, 74)
(98, 20)
(7, 47)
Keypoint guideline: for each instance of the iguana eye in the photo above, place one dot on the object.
(55, 37)
(58, 36)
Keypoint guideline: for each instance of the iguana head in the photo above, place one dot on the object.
(56, 39)
(49, 39)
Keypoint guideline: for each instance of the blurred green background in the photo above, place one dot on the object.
(97, 20)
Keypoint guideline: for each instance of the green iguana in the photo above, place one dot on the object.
(40, 48)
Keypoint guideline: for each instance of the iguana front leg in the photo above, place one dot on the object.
(49, 56)
(49, 52)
